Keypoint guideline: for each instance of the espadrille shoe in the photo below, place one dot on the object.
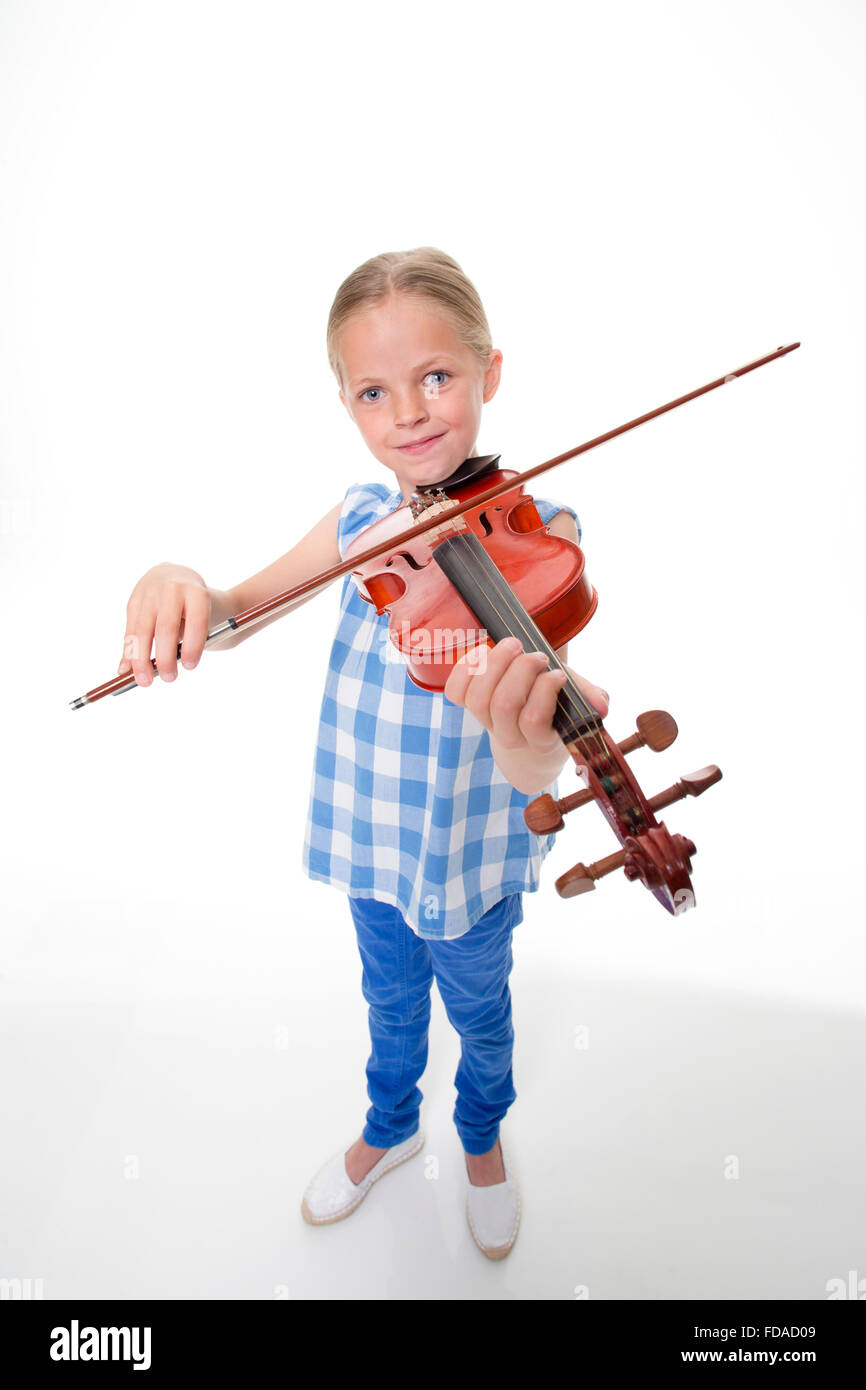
(493, 1214)
(331, 1194)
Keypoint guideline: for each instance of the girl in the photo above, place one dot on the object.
(416, 808)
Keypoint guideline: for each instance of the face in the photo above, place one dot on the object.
(409, 378)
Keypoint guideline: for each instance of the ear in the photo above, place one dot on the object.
(492, 375)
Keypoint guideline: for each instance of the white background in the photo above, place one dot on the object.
(646, 197)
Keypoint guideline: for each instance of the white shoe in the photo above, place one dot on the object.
(331, 1194)
(493, 1214)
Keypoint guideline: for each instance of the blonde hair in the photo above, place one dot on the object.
(426, 272)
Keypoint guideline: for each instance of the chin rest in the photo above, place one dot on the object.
(469, 468)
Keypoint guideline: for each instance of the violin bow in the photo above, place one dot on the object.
(290, 598)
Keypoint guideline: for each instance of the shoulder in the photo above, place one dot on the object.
(565, 524)
(562, 519)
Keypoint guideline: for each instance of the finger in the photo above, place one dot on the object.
(133, 608)
(509, 697)
(167, 633)
(598, 698)
(492, 662)
(457, 683)
(196, 615)
(464, 671)
(535, 721)
(138, 642)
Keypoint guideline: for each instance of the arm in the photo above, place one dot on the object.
(316, 552)
(172, 604)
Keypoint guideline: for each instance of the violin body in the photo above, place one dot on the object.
(429, 622)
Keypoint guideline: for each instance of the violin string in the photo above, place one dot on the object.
(522, 626)
(530, 630)
(575, 704)
(521, 620)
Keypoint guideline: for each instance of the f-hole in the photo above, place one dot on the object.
(404, 554)
(488, 529)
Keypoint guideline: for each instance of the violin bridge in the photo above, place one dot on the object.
(429, 504)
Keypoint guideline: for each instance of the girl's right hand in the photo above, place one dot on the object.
(168, 603)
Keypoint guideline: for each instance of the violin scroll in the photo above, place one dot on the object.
(650, 853)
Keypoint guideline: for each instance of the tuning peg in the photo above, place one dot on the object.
(655, 728)
(582, 877)
(693, 784)
(544, 815)
(635, 862)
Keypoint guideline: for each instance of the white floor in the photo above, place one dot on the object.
(171, 1085)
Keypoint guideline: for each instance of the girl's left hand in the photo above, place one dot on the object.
(513, 693)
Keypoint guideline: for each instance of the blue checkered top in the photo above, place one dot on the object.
(407, 804)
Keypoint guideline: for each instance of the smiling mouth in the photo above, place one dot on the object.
(420, 443)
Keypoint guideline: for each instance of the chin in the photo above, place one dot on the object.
(435, 473)
(420, 473)
(427, 476)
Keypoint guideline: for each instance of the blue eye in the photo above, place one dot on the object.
(365, 395)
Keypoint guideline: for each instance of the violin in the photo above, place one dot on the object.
(493, 572)
(468, 561)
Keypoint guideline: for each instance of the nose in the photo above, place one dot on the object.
(410, 408)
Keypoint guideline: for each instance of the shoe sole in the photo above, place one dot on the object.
(341, 1215)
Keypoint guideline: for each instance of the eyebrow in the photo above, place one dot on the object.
(440, 357)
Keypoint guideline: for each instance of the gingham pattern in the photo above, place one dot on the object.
(407, 804)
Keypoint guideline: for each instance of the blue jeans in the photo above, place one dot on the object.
(472, 976)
